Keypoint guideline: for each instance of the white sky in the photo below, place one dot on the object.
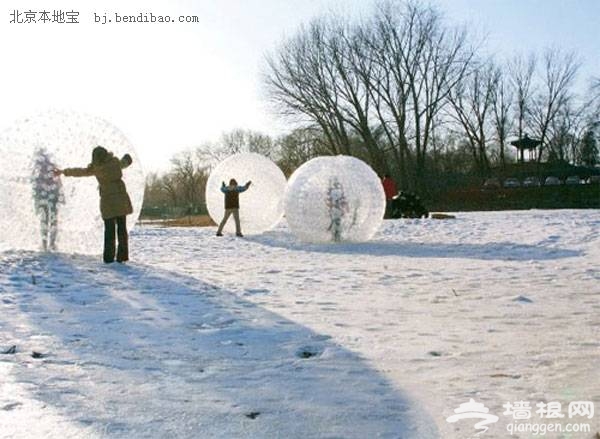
(174, 86)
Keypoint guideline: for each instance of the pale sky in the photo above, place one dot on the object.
(173, 86)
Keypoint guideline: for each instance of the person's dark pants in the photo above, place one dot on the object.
(120, 224)
(388, 209)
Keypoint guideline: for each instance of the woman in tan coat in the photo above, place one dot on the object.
(115, 204)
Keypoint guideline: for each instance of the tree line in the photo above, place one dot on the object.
(181, 189)
(414, 96)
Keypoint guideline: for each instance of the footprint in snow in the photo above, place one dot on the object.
(253, 291)
(11, 350)
(306, 352)
(522, 299)
(219, 324)
(252, 415)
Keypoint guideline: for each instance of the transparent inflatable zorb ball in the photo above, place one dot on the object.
(42, 211)
(261, 206)
(334, 199)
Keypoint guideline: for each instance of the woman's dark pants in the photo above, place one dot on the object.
(120, 224)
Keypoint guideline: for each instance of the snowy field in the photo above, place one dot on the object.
(266, 337)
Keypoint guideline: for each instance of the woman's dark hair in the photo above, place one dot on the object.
(99, 155)
(232, 182)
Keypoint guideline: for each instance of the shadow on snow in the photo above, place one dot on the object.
(139, 351)
(504, 251)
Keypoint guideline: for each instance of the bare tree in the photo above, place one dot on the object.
(332, 88)
(442, 64)
(234, 142)
(570, 131)
(154, 193)
(593, 104)
(392, 42)
(421, 60)
(300, 81)
(354, 69)
(502, 100)
(555, 93)
(238, 141)
(595, 87)
(190, 178)
(169, 185)
(383, 80)
(566, 131)
(472, 103)
(299, 146)
(521, 72)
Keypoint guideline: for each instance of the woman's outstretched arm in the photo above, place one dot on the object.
(76, 172)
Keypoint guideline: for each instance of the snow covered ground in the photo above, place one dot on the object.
(267, 337)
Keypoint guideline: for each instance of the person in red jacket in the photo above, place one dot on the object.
(389, 187)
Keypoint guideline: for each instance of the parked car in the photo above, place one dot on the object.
(573, 180)
(531, 182)
(492, 183)
(552, 181)
(594, 179)
(512, 182)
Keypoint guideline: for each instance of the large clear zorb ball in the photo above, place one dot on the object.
(41, 211)
(334, 199)
(261, 206)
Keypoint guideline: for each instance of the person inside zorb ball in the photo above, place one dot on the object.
(334, 199)
(232, 205)
(260, 208)
(47, 195)
(40, 210)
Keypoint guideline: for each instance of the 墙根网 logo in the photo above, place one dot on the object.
(474, 410)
